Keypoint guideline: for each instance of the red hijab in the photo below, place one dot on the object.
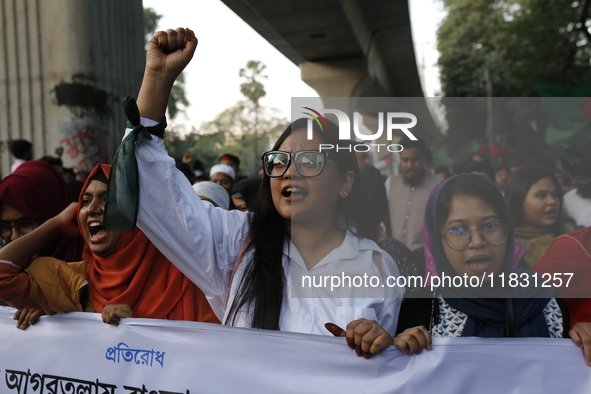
(40, 192)
(137, 274)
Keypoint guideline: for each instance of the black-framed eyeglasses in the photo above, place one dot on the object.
(308, 163)
(22, 226)
(458, 238)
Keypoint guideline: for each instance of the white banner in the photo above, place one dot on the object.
(76, 353)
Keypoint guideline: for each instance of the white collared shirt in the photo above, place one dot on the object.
(204, 243)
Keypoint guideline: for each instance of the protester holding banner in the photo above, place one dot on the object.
(121, 275)
(306, 219)
(471, 234)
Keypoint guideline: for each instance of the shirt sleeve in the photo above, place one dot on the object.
(15, 286)
(568, 261)
(56, 285)
(390, 311)
(202, 241)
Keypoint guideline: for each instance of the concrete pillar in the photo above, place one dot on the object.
(64, 67)
(334, 81)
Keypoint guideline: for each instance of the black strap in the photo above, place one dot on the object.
(509, 318)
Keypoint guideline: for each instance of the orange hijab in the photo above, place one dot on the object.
(139, 275)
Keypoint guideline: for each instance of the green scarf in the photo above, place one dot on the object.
(123, 189)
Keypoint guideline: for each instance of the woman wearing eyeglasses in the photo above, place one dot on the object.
(30, 196)
(471, 236)
(307, 220)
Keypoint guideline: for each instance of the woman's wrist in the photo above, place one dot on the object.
(153, 96)
(157, 80)
(54, 224)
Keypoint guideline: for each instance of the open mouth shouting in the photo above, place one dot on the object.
(479, 263)
(92, 205)
(293, 193)
(96, 231)
(550, 213)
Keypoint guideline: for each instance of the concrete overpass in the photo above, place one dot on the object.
(64, 67)
(346, 48)
(59, 91)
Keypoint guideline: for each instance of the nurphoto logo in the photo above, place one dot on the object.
(345, 129)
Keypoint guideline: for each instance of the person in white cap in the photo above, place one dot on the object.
(214, 193)
(223, 175)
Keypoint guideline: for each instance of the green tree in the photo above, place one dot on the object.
(151, 19)
(236, 125)
(246, 129)
(520, 42)
(203, 146)
(467, 43)
(253, 89)
(225, 134)
(508, 46)
(178, 101)
(545, 41)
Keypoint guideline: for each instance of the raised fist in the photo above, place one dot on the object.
(169, 52)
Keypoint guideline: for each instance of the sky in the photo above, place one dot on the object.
(226, 43)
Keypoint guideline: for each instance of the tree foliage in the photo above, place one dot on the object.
(151, 19)
(246, 129)
(229, 133)
(178, 101)
(519, 43)
(252, 88)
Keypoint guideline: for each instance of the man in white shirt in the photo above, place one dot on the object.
(577, 203)
(408, 193)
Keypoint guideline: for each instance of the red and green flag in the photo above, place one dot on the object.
(568, 111)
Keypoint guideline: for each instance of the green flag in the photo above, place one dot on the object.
(123, 189)
(440, 158)
(568, 111)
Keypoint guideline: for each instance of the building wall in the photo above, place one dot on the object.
(65, 65)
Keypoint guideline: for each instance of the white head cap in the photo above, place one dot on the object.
(216, 193)
(224, 168)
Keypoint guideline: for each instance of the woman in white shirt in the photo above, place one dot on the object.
(278, 267)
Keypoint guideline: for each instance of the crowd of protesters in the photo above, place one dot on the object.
(229, 248)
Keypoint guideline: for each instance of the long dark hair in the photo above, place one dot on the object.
(262, 285)
(517, 189)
